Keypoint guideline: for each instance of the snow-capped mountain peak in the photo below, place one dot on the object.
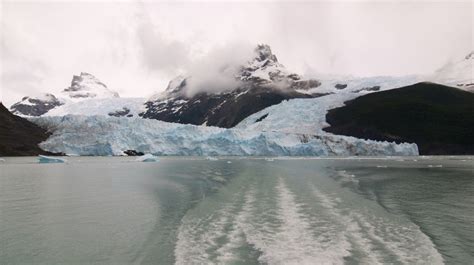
(87, 95)
(264, 68)
(175, 88)
(258, 83)
(85, 86)
(176, 84)
(264, 52)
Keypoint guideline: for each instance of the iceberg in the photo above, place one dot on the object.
(147, 158)
(48, 159)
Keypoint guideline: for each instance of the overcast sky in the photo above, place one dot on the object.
(137, 47)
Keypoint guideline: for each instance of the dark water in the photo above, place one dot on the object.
(238, 211)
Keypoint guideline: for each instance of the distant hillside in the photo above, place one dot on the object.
(18, 136)
(439, 119)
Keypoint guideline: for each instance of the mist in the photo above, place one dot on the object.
(215, 72)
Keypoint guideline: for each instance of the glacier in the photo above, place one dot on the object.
(291, 128)
(99, 106)
(111, 136)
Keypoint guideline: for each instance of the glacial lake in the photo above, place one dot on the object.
(188, 210)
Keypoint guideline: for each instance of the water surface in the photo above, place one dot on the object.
(417, 210)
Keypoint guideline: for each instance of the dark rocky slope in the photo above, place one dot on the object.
(18, 136)
(439, 119)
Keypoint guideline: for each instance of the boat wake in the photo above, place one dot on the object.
(273, 223)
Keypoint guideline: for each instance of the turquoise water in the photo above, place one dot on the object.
(417, 210)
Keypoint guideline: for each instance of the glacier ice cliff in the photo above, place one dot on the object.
(103, 136)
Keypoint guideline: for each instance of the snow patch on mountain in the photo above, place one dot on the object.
(458, 74)
(101, 135)
(127, 107)
(361, 85)
(174, 89)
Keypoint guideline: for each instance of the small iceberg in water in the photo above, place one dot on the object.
(49, 159)
(147, 158)
(211, 158)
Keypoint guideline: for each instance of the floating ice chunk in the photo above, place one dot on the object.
(435, 165)
(211, 158)
(269, 159)
(49, 159)
(147, 158)
(2, 160)
(229, 162)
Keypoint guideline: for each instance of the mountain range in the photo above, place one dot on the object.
(266, 97)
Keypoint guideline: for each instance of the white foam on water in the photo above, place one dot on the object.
(236, 237)
(352, 229)
(290, 234)
(198, 237)
(347, 177)
(258, 232)
(435, 165)
(408, 244)
(293, 241)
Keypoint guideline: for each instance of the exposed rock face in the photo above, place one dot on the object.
(340, 86)
(133, 153)
(369, 89)
(35, 106)
(470, 56)
(263, 82)
(120, 113)
(18, 136)
(439, 119)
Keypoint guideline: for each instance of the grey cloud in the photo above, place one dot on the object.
(159, 53)
(215, 72)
